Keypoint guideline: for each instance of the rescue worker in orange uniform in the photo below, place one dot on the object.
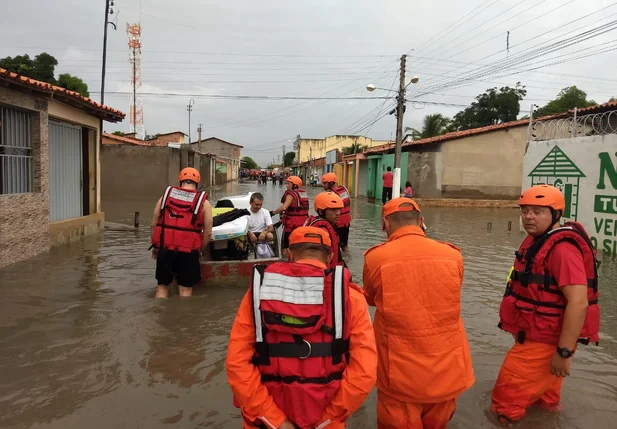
(328, 181)
(181, 228)
(550, 304)
(328, 206)
(295, 209)
(424, 358)
(302, 348)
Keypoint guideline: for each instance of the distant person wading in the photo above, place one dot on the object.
(388, 182)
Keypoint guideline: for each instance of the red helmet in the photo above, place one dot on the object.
(544, 196)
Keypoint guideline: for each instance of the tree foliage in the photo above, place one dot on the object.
(119, 133)
(494, 106)
(353, 149)
(73, 83)
(248, 162)
(288, 159)
(432, 126)
(42, 68)
(567, 99)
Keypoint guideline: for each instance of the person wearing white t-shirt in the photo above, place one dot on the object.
(260, 222)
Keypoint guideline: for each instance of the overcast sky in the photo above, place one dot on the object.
(313, 48)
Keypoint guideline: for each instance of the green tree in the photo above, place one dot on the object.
(119, 133)
(41, 68)
(288, 159)
(248, 162)
(354, 148)
(567, 99)
(613, 99)
(432, 126)
(494, 106)
(73, 83)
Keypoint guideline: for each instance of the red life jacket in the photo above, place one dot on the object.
(320, 222)
(181, 220)
(297, 213)
(533, 306)
(302, 318)
(345, 218)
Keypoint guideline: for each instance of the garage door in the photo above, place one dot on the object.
(65, 172)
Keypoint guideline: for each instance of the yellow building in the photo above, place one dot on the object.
(307, 149)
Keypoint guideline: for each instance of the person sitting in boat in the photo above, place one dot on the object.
(302, 350)
(181, 228)
(295, 209)
(328, 206)
(261, 228)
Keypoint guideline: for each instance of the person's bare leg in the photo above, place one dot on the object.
(269, 236)
(185, 291)
(162, 291)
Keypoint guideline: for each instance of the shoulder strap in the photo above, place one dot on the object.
(200, 200)
(339, 345)
(165, 196)
(262, 357)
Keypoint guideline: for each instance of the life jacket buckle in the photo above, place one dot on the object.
(310, 349)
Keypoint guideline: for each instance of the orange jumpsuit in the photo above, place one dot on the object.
(424, 357)
(358, 378)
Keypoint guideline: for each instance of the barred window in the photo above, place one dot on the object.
(15, 151)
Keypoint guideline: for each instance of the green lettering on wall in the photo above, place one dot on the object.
(605, 204)
(607, 167)
(598, 223)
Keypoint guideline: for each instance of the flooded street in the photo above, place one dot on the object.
(84, 343)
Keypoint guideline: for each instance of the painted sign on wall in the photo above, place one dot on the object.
(585, 170)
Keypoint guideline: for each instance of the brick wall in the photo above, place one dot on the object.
(24, 218)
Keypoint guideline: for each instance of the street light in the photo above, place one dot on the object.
(400, 111)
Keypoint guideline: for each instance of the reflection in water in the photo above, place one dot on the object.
(83, 342)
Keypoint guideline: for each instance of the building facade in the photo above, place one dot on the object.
(309, 149)
(49, 166)
(227, 154)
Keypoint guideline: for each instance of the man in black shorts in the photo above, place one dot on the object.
(181, 228)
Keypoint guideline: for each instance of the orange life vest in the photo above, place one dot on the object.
(302, 330)
(533, 306)
(181, 220)
(345, 218)
(297, 213)
(335, 245)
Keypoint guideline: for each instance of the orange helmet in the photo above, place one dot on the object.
(544, 196)
(309, 234)
(328, 200)
(328, 177)
(295, 180)
(189, 173)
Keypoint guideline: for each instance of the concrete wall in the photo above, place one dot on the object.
(224, 150)
(317, 148)
(424, 171)
(484, 166)
(134, 171)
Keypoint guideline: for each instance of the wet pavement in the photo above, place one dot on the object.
(84, 343)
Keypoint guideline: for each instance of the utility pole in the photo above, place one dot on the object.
(190, 108)
(283, 155)
(199, 133)
(400, 112)
(108, 4)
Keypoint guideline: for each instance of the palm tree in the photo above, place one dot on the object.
(432, 126)
(354, 148)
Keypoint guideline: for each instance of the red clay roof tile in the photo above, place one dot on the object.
(44, 86)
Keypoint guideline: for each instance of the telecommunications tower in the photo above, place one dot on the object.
(136, 111)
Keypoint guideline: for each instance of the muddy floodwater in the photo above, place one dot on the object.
(84, 343)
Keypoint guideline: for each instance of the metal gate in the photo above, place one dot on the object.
(65, 172)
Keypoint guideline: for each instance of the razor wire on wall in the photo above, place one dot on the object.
(574, 126)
